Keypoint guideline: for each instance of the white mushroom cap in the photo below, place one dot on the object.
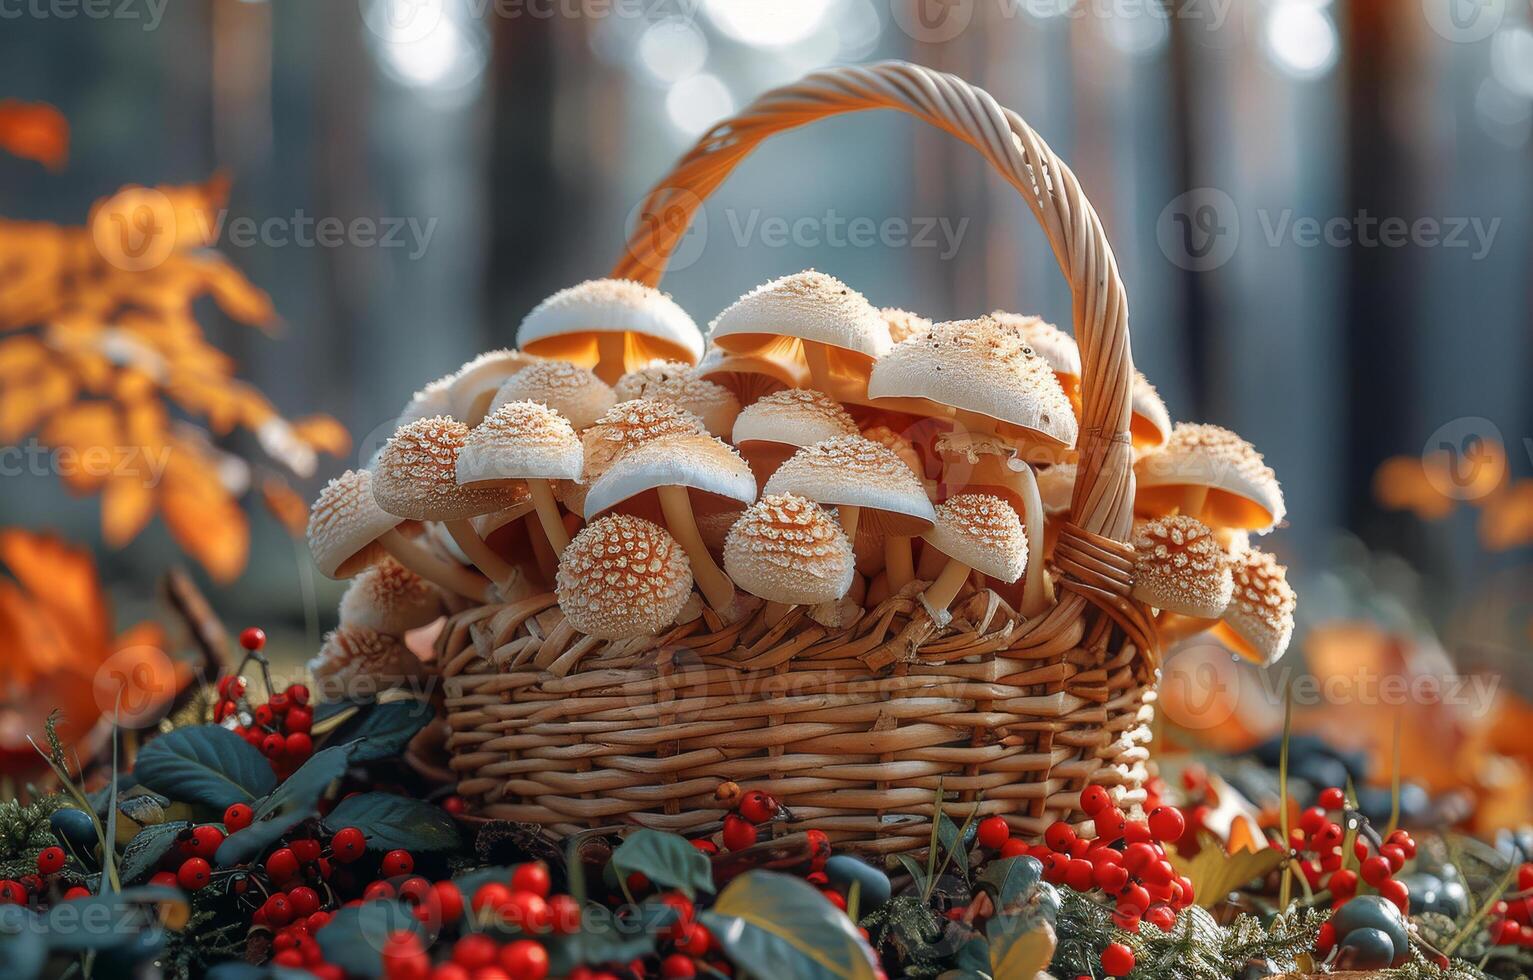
(787, 549)
(984, 367)
(630, 424)
(1259, 620)
(1150, 424)
(810, 306)
(795, 417)
(678, 384)
(1243, 491)
(344, 524)
(901, 446)
(621, 577)
(416, 475)
(389, 598)
(750, 376)
(904, 324)
(565, 325)
(356, 661)
(520, 441)
(1051, 343)
(982, 532)
(432, 400)
(572, 391)
(857, 472)
(1179, 567)
(698, 462)
(475, 383)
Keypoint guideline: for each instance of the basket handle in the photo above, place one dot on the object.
(1104, 487)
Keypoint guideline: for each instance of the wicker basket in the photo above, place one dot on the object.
(855, 728)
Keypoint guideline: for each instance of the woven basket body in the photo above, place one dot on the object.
(853, 728)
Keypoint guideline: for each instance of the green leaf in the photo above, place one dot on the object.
(1021, 946)
(1010, 880)
(973, 958)
(667, 860)
(355, 936)
(603, 938)
(383, 730)
(148, 846)
(915, 869)
(246, 845)
(391, 821)
(773, 925)
(204, 764)
(23, 948)
(303, 789)
(951, 839)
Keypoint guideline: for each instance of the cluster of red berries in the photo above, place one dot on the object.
(1319, 840)
(749, 811)
(32, 888)
(1511, 920)
(280, 728)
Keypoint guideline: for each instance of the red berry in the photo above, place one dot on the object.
(1111, 878)
(278, 910)
(1343, 884)
(527, 911)
(1094, 799)
(491, 898)
(1333, 798)
(1135, 897)
(224, 710)
(305, 901)
(306, 849)
(739, 833)
(12, 893)
(449, 900)
(1328, 837)
(164, 879)
(273, 745)
(564, 914)
(1167, 823)
(205, 840)
(348, 844)
(677, 967)
(376, 890)
(194, 873)
(454, 805)
(1311, 820)
(1117, 960)
(531, 877)
(1059, 836)
(231, 687)
(298, 745)
(253, 638)
(297, 694)
(238, 817)
(1110, 824)
(1137, 832)
(524, 960)
(1376, 871)
(1137, 858)
(1394, 854)
(1524, 875)
(282, 864)
(397, 862)
(1126, 917)
(1395, 892)
(1326, 941)
(474, 950)
(1162, 917)
(1079, 874)
(705, 845)
(695, 940)
(298, 720)
(78, 891)
(50, 860)
(756, 806)
(1014, 847)
(994, 832)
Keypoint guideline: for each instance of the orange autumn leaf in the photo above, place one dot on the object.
(1506, 521)
(34, 131)
(1403, 483)
(87, 443)
(60, 582)
(201, 514)
(323, 434)
(284, 503)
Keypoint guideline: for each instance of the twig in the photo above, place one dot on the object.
(207, 632)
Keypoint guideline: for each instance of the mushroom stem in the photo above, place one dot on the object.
(496, 568)
(548, 514)
(931, 563)
(898, 567)
(1175, 627)
(715, 586)
(818, 359)
(1037, 589)
(1193, 499)
(543, 553)
(849, 516)
(611, 355)
(941, 593)
(445, 574)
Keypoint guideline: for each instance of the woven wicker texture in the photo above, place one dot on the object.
(853, 728)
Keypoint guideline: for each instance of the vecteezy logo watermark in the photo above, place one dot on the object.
(940, 21)
(932, 21)
(1473, 460)
(413, 21)
(135, 686)
(1199, 230)
(149, 12)
(1464, 21)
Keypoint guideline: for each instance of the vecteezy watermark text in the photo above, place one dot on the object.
(150, 12)
(92, 462)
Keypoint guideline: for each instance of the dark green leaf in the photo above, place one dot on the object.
(1010, 880)
(303, 789)
(148, 846)
(356, 935)
(204, 764)
(667, 860)
(915, 869)
(246, 845)
(973, 958)
(383, 730)
(392, 821)
(603, 939)
(773, 925)
(951, 839)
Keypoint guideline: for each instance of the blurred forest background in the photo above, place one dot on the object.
(1241, 153)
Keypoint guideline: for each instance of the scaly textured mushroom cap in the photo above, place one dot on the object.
(982, 532)
(697, 462)
(1179, 567)
(610, 306)
(475, 383)
(902, 447)
(1150, 425)
(677, 384)
(572, 391)
(795, 417)
(430, 401)
(520, 441)
(630, 424)
(1243, 491)
(858, 472)
(1051, 343)
(417, 475)
(785, 548)
(904, 324)
(344, 523)
(356, 661)
(622, 576)
(980, 366)
(1259, 620)
(389, 598)
(808, 305)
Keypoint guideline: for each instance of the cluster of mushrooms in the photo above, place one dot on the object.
(815, 452)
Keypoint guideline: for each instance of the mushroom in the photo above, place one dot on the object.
(678, 468)
(903, 324)
(416, 478)
(572, 391)
(1180, 568)
(985, 375)
(675, 383)
(813, 319)
(389, 598)
(768, 431)
(630, 424)
(978, 533)
(429, 401)
(622, 577)
(1258, 622)
(474, 385)
(1212, 474)
(1150, 423)
(751, 377)
(610, 326)
(348, 531)
(861, 477)
(524, 441)
(1056, 347)
(358, 662)
(788, 551)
